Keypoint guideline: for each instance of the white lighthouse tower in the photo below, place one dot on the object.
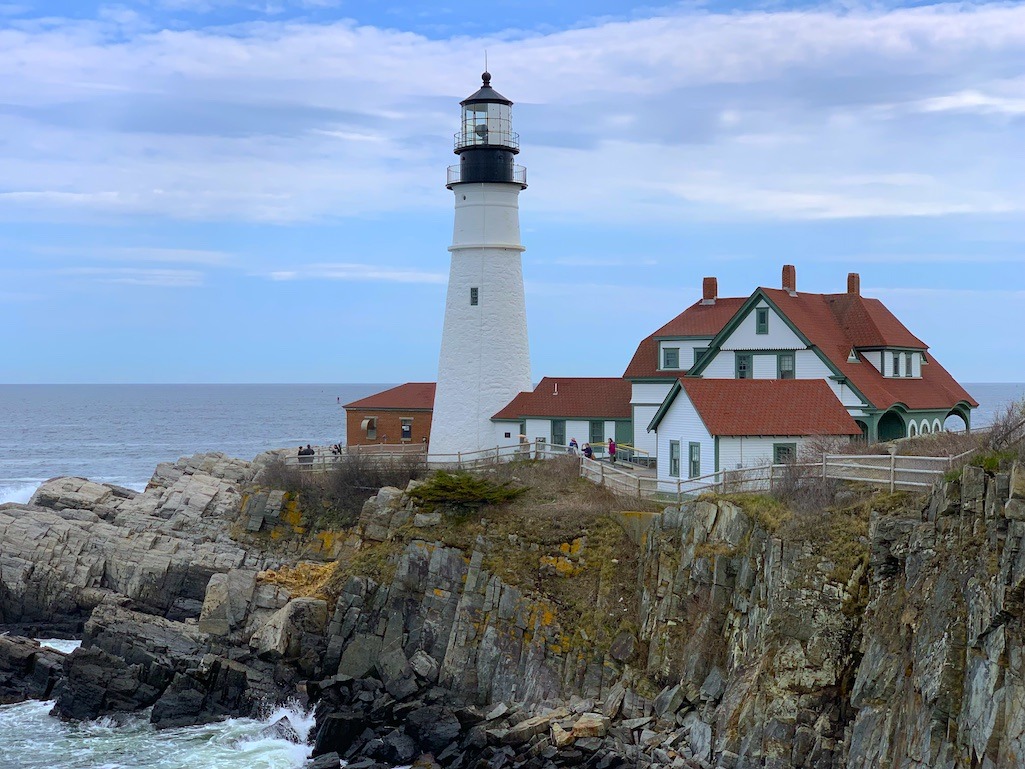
(485, 359)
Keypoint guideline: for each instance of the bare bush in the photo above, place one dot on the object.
(277, 474)
(336, 497)
(1007, 432)
(803, 489)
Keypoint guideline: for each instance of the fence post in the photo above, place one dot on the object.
(602, 468)
(893, 467)
(459, 460)
(679, 495)
(823, 465)
(638, 487)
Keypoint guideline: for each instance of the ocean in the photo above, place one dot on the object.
(118, 434)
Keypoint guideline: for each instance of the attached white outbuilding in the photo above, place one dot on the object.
(706, 426)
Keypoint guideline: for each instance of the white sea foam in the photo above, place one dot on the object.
(32, 739)
(60, 644)
(18, 490)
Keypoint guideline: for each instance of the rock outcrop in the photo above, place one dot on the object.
(78, 543)
(882, 630)
(28, 671)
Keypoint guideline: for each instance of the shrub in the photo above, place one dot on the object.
(462, 493)
(335, 498)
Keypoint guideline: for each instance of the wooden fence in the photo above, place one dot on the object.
(885, 470)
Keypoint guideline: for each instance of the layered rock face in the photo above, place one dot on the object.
(942, 679)
(77, 543)
(737, 636)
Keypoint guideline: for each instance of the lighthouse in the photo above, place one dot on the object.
(485, 359)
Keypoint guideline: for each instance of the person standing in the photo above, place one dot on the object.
(612, 451)
(573, 446)
(588, 451)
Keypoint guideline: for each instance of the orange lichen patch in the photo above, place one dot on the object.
(304, 580)
(572, 548)
(439, 593)
(329, 540)
(560, 564)
(291, 514)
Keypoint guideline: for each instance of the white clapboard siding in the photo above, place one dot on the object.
(780, 336)
(682, 423)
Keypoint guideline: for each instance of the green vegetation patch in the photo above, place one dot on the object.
(462, 493)
(763, 510)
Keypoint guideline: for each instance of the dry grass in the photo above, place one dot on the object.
(304, 580)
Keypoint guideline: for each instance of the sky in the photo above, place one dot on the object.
(254, 190)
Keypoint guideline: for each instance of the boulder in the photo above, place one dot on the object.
(524, 730)
(434, 727)
(226, 602)
(396, 673)
(96, 683)
(282, 635)
(591, 725)
(27, 670)
(338, 731)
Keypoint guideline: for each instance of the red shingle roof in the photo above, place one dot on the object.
(408, 396)
(572, 397)
(697, 320)
(835, 323)
(769, 407)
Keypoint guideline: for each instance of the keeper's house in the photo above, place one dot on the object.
(877, 371)
(590, 409)
(396, 416)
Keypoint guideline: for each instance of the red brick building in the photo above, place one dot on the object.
(401, 415)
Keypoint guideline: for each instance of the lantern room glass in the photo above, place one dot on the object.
(487, 123)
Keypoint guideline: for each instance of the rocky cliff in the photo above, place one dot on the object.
(872, 630)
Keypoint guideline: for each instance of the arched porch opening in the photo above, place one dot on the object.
(955, 422)
(891, 427)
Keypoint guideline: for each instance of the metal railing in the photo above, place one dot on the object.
(519, 175)
(497, 138)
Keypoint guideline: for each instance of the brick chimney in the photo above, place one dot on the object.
(709, 290)
(790, 279)
(853, 283)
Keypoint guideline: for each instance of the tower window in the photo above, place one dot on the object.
(474, 296)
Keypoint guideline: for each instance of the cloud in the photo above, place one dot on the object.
(139, 254)
(799, 115)
(358, 273)
(160, 278)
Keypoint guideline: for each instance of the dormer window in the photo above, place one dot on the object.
(670, 357)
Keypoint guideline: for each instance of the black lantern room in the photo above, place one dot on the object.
(486, 145)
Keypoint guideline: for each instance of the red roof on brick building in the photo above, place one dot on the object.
(411, 396)
(734, 407)
(572, 398)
